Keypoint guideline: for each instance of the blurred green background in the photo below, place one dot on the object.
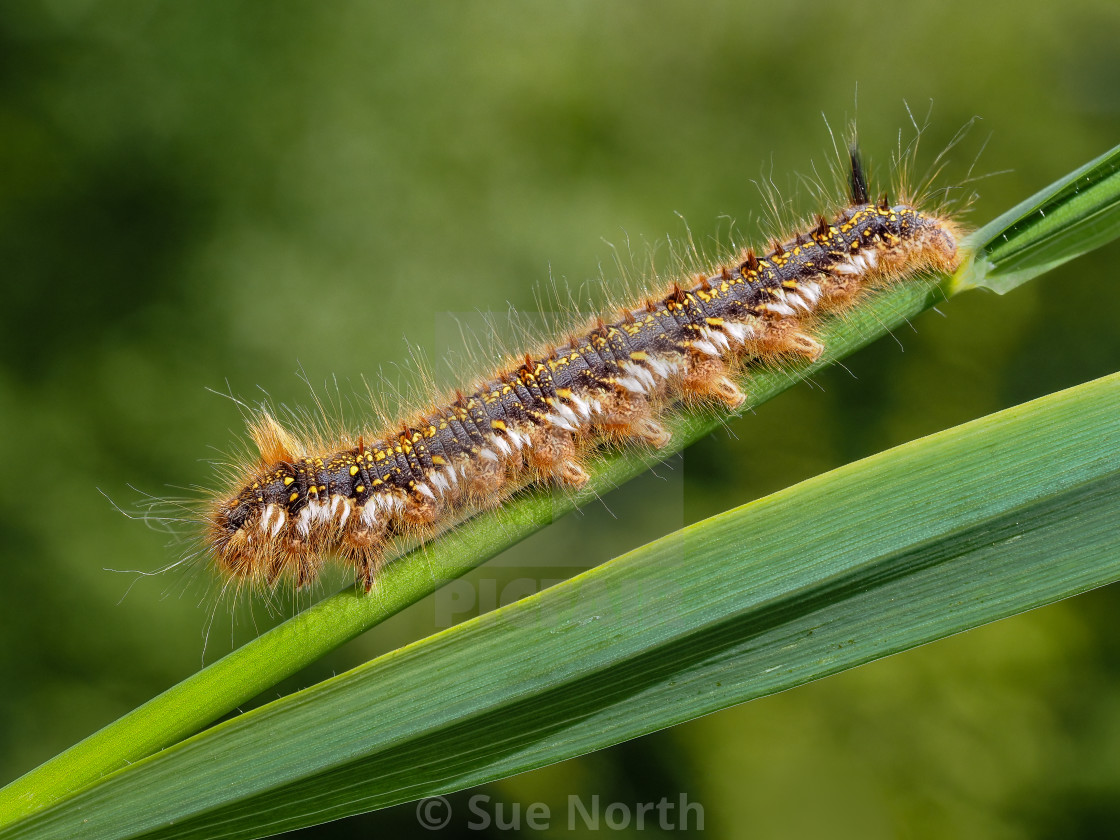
(214, 195)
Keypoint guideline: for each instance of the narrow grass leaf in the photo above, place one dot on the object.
(949, 532)
(1067, 219)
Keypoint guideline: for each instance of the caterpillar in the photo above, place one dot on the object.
(536, 419)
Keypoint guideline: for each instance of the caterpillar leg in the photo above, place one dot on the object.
(707, 379)
(555, 455)
(631, 417)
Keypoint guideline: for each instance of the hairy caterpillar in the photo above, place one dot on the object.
(536, 419)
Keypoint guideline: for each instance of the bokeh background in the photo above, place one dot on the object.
(216, 195)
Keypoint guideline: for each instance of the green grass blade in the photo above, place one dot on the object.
(1067, 219)
(1000, 515)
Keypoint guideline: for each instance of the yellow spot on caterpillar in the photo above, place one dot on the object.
(361, 488)
(288, 480)
(293, 497)
(439, 460)
(354, 470)
(498, 424)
